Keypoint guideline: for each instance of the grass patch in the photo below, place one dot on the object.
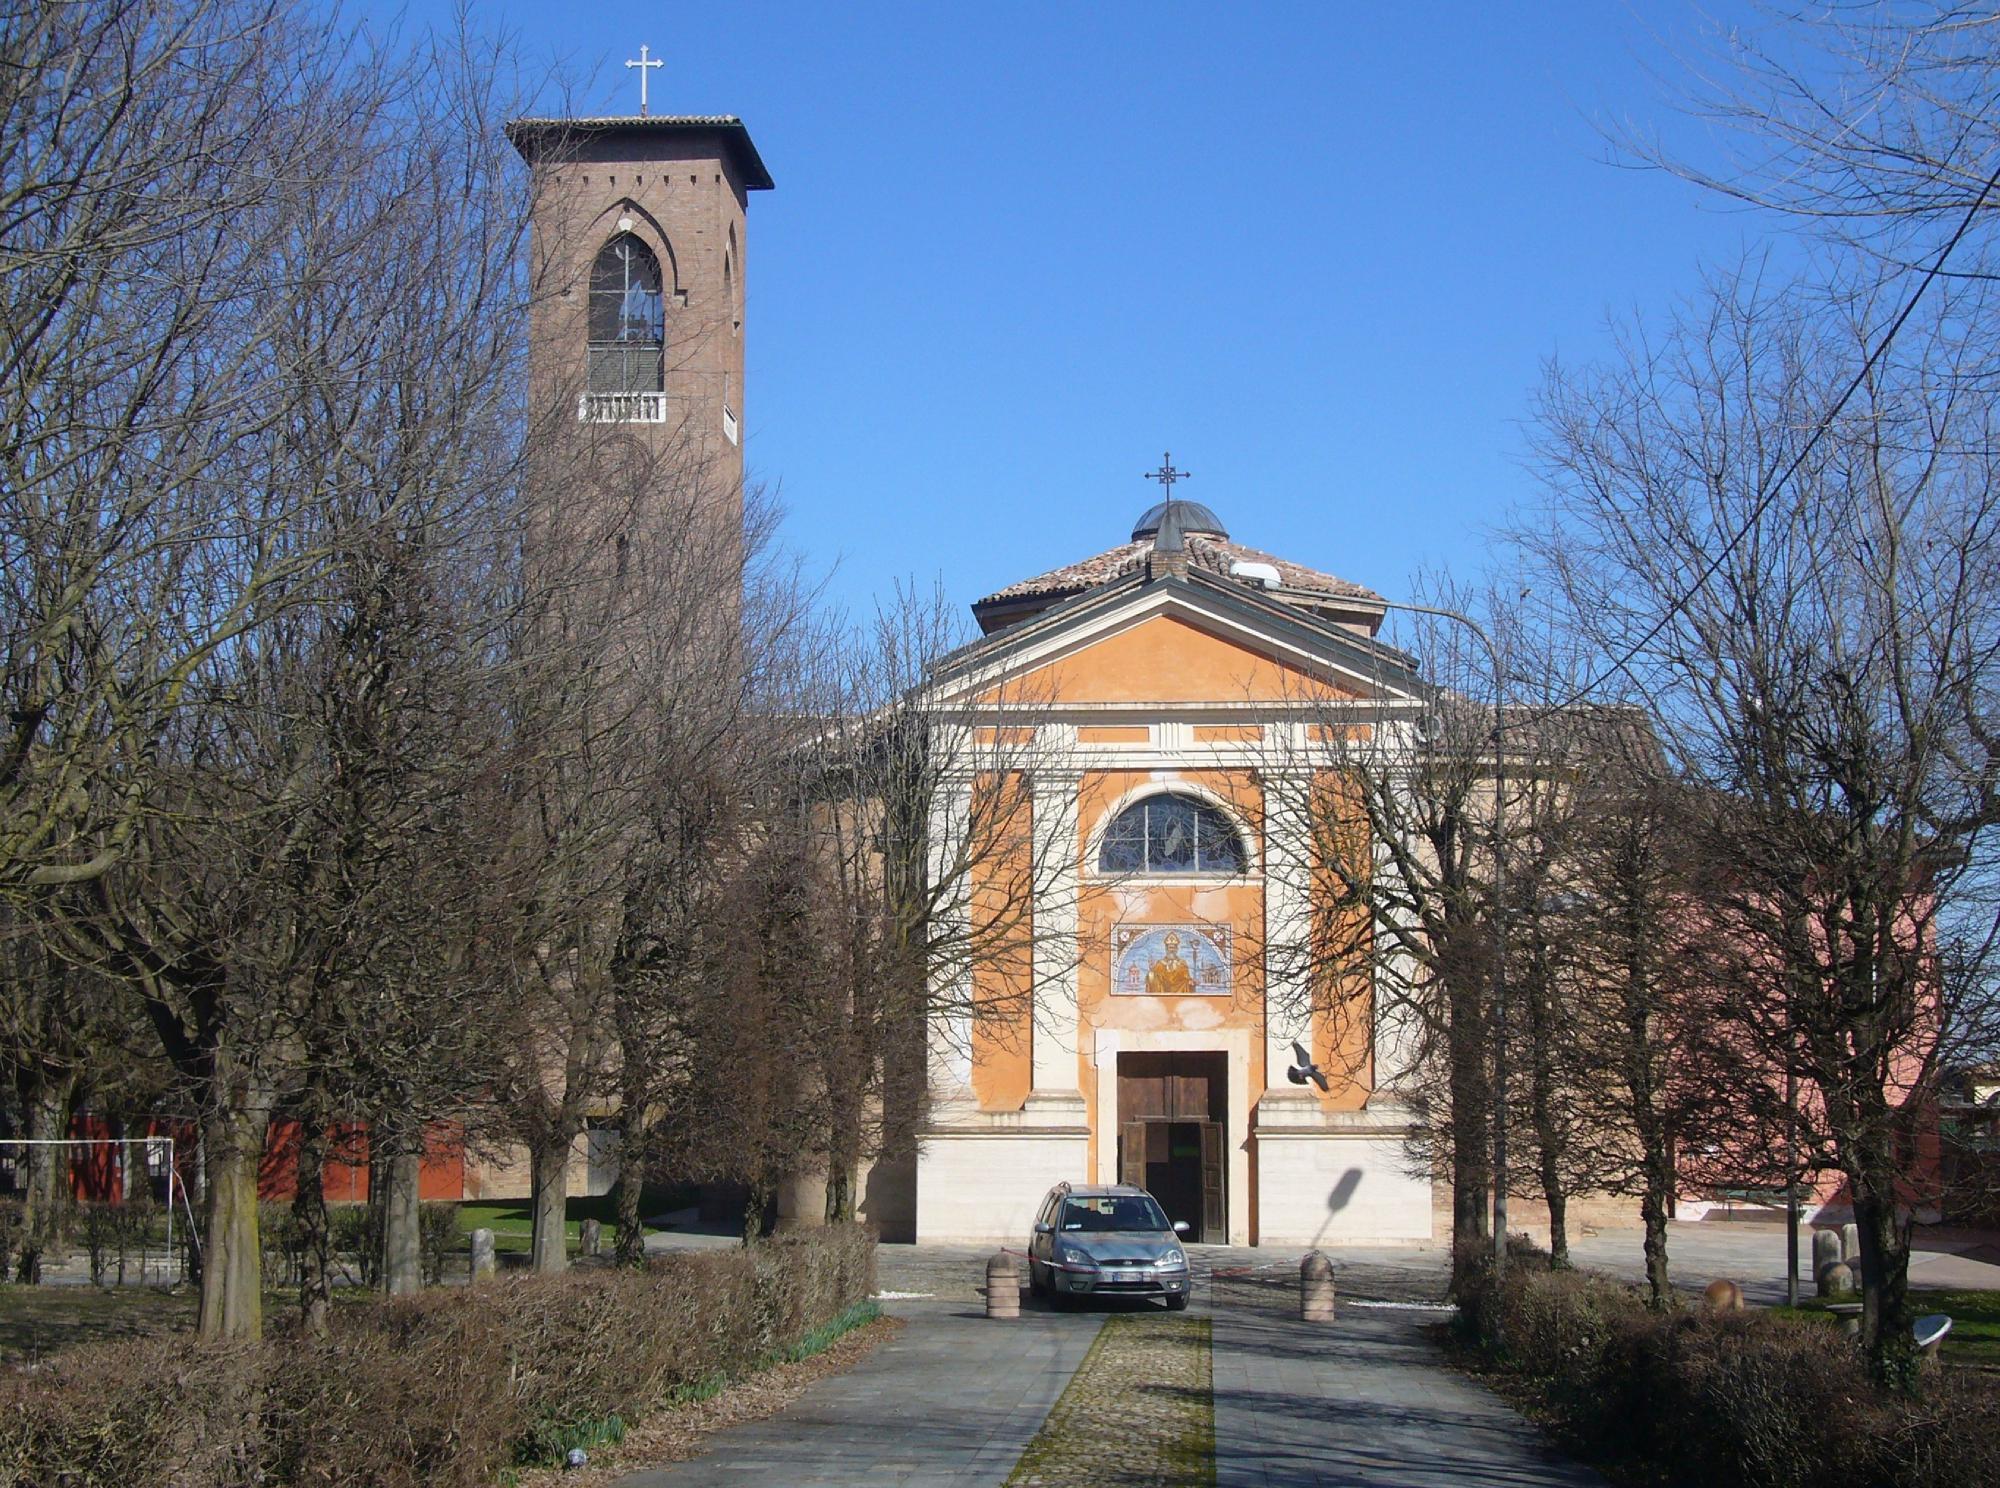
(820, 1339)
(39, 1320)
(549, 1443)
(1975, 1321)
(512, 1221)
(1143, 1401)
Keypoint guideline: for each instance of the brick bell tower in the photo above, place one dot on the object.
(636, 329)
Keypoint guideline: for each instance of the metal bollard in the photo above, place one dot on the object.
(484, 1263)
(1003, 1287)
(1316, 1288)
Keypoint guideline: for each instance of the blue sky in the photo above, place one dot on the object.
(1319, 251)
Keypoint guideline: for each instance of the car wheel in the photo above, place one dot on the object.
(1178, 1303)
(1037, 1287)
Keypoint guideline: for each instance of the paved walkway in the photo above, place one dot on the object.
(955, 1399)
(1364, 1403)
(952, 1399)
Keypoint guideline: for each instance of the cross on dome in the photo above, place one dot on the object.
(1166, 475)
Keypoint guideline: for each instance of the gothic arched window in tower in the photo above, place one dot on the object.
(628, 319)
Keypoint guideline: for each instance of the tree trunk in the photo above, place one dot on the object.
(402, 1224)
(843, 1157)
(1653, 1213)
(309, 1213)
(1656, 1189)
(1542, 1094)
(548, 1253)
(840, 1198)
(753, 1211)
(1885, 1286)
(232, 1273)
(1558, 1217)
(1471, 1134)
(634, 1139)
(47, 1202)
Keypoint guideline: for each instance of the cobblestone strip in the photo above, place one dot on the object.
(1140, 1412)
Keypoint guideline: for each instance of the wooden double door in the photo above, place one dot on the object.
(1171, 1110)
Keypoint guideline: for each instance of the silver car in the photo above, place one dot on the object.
(1106, 1241)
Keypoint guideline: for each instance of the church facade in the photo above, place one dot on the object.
(1168, 698)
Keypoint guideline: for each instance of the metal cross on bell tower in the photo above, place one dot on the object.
(1166, 475)
(645, 64)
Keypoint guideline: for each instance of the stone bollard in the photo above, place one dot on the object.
(1316, 1288)
(590, 1237)
(1850, 1245)
(483, 1263)
(1837, 1280)
(1003, 1287)
(1826, 1252)
(1723, 1295)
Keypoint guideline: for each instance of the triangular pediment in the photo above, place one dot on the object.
(1177, 643)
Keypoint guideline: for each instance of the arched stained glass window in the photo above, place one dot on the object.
(628, 319)
(1170, 834)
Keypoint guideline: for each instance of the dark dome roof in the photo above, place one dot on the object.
(1194, 518)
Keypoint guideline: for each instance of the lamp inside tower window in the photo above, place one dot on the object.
(628, 329)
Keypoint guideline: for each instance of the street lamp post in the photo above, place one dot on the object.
(1499, 920)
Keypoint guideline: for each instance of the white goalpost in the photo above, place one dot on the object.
(156, 1162)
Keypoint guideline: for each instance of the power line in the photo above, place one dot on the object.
(1778, 484)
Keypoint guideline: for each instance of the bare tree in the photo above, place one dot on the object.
(1643, 1067)
(1873, 124)
(942, 816)
(1397, 956)
(278, 375)
(140, 305)
(1806, 602)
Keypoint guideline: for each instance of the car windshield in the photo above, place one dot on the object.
(1114, 1212)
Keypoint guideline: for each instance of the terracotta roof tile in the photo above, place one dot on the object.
(1214, 554)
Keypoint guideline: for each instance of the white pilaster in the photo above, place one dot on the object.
(1054, 828)
(1396, 1031)
(948, 1017)
(1287, 924)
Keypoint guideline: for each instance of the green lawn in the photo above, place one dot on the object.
(1975, 1321)
(512, 1221)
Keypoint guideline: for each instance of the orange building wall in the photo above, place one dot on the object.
(1003, 970)
(1164, 659)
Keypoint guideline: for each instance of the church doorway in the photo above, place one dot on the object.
(1171, 1110)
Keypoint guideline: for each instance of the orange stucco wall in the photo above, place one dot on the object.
(1003, 947)
(1164, 659)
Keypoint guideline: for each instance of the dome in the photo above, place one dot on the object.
(1194, 518)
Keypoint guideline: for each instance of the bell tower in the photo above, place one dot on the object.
(636, 328)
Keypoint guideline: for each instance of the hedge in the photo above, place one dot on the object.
(445, 1388)
(1728, 1399)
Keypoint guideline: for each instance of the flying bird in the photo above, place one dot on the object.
(1303, 1069)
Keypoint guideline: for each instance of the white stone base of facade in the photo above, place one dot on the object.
(1331, 1178)
(982, 1178)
